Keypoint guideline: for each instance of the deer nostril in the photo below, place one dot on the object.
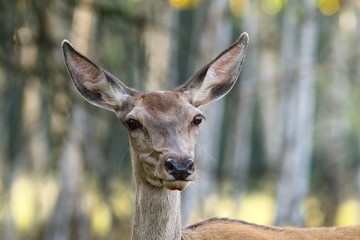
(170, 165)
(189, 166)
(192, 166)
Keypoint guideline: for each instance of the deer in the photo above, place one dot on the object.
(162, 128)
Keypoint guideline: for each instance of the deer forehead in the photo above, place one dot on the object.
(165, 106)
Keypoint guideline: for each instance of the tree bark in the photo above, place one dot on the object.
(333, 124)
(241, 143)
(69, 219)
(157, 42)
(357, 84)
(295, 173)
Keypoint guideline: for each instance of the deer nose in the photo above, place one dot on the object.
(180, 171)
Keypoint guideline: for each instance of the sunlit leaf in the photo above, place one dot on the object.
(240, 8)
(101, 219)
(183, 4)
(258, 207)
(22, 203)
(357, 3)
(272, 7)
(347, 213)
(122, 199)
(328, 7)
(347, 20)
(314, 214)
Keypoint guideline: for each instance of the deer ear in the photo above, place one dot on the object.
(95, 84)
(217, 78)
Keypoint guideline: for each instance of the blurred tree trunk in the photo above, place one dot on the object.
(39, 105)
(271, 96)
(357, 85)
(270, 103)
(241, 146)
(172, 70)
(214, 38)
(288, 63)
(333, 122)
(69, 218)
(11, 117)
(11, 100)
(295, 173)
(157, 42)
(183, 49)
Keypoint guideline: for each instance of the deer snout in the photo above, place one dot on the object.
(180, 171)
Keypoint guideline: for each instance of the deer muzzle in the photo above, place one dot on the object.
(180, 171)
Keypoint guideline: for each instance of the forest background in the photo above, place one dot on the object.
(282, 148)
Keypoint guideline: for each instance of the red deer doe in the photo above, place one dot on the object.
(163, 127)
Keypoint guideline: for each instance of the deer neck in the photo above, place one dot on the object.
(157, 210)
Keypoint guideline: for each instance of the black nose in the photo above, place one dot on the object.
(180, 171)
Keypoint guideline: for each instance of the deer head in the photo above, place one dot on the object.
(162, 125)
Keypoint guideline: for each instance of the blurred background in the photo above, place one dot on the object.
(282, 148)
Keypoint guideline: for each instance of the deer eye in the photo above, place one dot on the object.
(132, 124)
(197, 120)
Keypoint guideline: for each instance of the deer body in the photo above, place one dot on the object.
(163, 127)
(219, 228)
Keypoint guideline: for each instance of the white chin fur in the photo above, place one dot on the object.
(176, 185)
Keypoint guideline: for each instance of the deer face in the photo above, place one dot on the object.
(162, 125)
(162, 128)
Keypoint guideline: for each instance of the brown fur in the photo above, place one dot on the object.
(220, 228)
